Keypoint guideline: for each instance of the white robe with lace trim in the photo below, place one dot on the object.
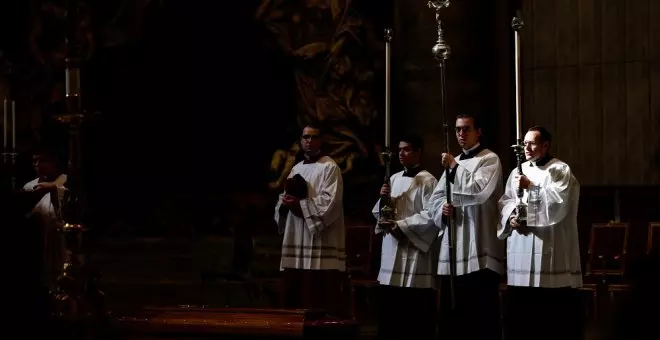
(476, 189)
(318, 239)
(44, 211)
(548, 255)
(404, 264)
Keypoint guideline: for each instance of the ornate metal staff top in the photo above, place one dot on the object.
(441, 52)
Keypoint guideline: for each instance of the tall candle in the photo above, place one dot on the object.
(388, 38)
(387, 95)
(4, 125)
(13, 125)
(517, 71)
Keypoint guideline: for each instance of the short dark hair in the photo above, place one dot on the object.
(476, 122)
(48, 153)
(545, 134)
(416, 141)
(313, 126)
(53, 155)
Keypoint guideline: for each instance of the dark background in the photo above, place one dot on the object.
(195, 98)
(193, 101)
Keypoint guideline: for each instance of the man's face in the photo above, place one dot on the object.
(534, 148)
(407, 156)
(466, 134)
(310, 140)
(43, 165)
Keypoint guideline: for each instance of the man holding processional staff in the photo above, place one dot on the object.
(476, 184)
(406, 275)
(462, 211)
(538, 218)
(471, 257)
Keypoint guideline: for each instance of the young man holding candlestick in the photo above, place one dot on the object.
(475, 179)
(310, 215)
(407, 265)
(543, 256)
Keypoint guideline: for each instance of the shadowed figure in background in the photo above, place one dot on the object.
(310, 215)
(26, 216)
(44, 215)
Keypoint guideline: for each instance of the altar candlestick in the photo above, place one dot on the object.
(4, 125)
(387, 88)
(13, 125)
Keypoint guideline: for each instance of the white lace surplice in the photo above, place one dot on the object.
(548, 255)
(318, 239)
(408, 263)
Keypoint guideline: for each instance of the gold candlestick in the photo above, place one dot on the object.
(77, 292)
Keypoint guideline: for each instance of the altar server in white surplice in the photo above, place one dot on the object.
(476, 185)
(407, 267)
(310, 215)
(543, 257)
(48, 185)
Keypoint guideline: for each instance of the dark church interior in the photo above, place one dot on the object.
(179, 131)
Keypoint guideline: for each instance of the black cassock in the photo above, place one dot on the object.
(24, 296)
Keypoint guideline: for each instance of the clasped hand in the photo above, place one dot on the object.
(521, 181)
(448, 161)
(45, 186)
(514, 222)
(390, 227)
(293, 203)
(447, 209)
(385, 190)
